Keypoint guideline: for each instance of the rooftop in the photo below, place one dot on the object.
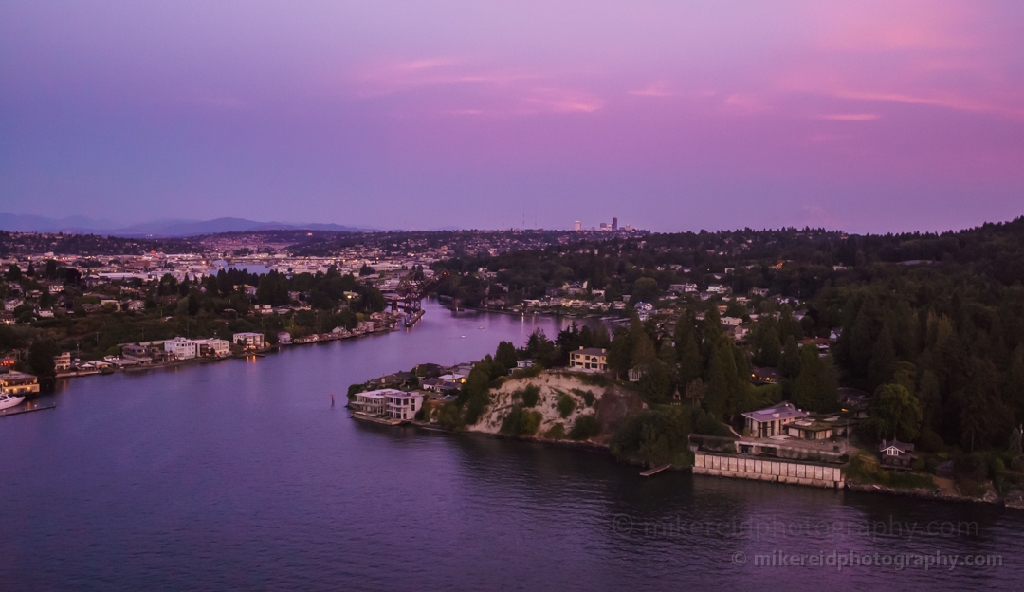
(784, 410)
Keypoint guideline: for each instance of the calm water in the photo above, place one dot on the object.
(240, 475)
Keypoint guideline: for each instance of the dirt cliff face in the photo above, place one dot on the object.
(616, 404)
(610, 404)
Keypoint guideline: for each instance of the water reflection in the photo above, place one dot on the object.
(241, 475)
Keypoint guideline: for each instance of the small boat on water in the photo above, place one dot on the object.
(7, 400)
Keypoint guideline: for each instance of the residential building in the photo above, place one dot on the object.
(893, 454)
(809, 429)
(770, 422)
(248, 340)
(183, 349)
(402, 405)
(214, 347)
(374, 402)
(766, 375)
(134, 351)
(589, 359)
(18, 383)
(62, 363)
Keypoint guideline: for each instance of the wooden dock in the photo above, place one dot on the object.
(655, 470)
(24, 410)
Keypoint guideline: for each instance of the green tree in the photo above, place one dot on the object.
(1013, 384)
(644, 290)
(506, 356)
(566, 404)
(765, 343)
(520, 422)
(585, 427)
(883, 359)
(40, 357)
(656, 383)
(898, 412)
(475, 396)
(816, 386)
(620, 355)
(450, 417)
(643, 349)
(726, 391)
(691, 366)
(930, 395)
(654, 436)
(789, 361)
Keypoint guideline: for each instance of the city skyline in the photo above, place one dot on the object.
(458, 115)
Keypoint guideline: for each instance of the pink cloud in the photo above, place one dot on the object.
(658, 89)
(849, 117)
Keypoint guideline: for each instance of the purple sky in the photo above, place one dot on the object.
(865, 116)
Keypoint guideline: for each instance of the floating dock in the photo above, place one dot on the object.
(24, 410)
(655, 470)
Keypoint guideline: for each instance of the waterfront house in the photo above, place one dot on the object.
(248, 340)
(374, 402)
(62, 363)
(893, 454)
(284, 338)
(134, 351)
(766, 423)
(183, 349)
(403, 405)
(590, 359)
(213, 347)
(18, 383)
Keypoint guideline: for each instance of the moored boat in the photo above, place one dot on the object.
(8, 400)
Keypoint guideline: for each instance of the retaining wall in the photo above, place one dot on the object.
(779, 471)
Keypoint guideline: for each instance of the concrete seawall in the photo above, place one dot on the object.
(779, 471)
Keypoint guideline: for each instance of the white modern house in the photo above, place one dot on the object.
(770, 422)
(374, 402)
(403, 405)
(215, 347)
(248, 340)
(183, 349)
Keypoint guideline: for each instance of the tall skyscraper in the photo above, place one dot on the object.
(615, 223)
(578, 226)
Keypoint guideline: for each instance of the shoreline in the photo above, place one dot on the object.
(605, 449)
(930, 495)
(209, 360)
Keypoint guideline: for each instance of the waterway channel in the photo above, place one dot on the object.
(241, 475)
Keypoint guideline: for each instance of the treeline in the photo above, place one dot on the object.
(931, 325)
(214, 306)
(89, 244)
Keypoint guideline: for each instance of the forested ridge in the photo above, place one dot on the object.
(940, 315)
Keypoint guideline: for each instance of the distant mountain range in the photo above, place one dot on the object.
(163, 228)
